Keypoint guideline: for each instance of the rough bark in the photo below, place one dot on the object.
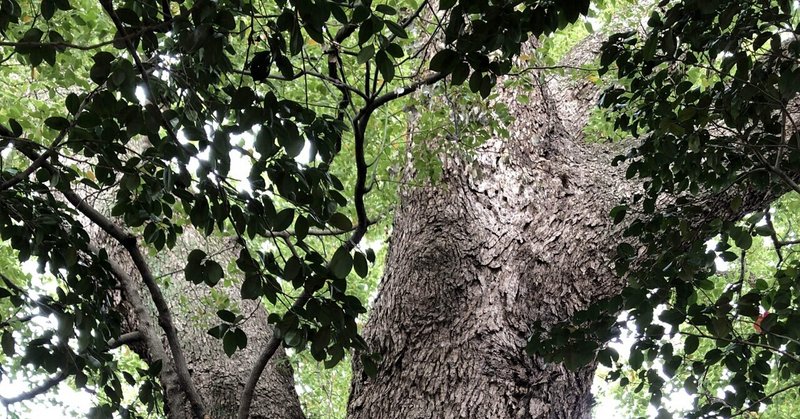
(475, 260)
(218, 378)
(522, 235)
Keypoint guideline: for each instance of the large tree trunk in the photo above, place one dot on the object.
(475, 260)
(521, 236)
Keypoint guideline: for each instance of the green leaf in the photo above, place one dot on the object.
(57, 123)
(295, 38)
(672, 316)
(635, 359)
(226, 316)
(444, 61)
(292, 269)
(48, 9)
(764, 230)
(320, 342)
(721, 326)
(283, 219)
(7, 342)
(251, 287)
(16, 128)
(396, 29)
(607, 357)
(218, 331)
(744, 241)
(690, 344)
(213, 272)
(360, 264)
(239, 338)
(385, 9)
(459, 74)
(300, 228)
(366, 54)
(229, 343)
(100, 72)
(618, 213)
(63, 5)
(395, 50)
(194, 268)
(446, 4)
(81, 379)
(385, 66)
(341, 263)
(292, 338)
(340, 221)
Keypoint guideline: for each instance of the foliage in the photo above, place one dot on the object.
(136, 118)
(710, 91)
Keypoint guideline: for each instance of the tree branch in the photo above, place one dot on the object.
(359, 126)
(155, 348)
(402, 91)
(109, 8)
(19, 177)
(129, 242)
(68, 45)
(317, 232)
(23, 319)
(126, 339)
(41, 389)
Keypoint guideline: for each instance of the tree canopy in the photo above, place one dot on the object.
(281, 128)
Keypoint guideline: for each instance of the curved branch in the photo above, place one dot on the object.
(41, 389)
(359, 122)
(129, 242)
(126, 339)
(109, 8)
(147, 331)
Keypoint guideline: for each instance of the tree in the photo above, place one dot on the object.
(512, 238)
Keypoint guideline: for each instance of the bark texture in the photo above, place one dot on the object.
(522, 234)
(218, 378)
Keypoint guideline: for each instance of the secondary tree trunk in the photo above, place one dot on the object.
(219, 379)
(480, 256)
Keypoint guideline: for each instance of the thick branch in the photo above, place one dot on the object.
(130, 244)
(126, 339)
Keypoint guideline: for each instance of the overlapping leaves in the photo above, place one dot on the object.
(709, 90)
